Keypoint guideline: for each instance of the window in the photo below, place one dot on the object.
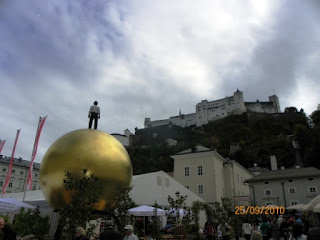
(4, 169)
(36, 175)
(267, 192)
(34, 186)
(312, 189)
(292, 190)
(268, 203)
(187, 187)
(1, 183)
(290, 180)
(266, 182)
(200, 189)
(21, 173)
(199, 170)
(19, 184)
(310, 179)
(10, 184)
(13, 170)
(293, 203)
(186, 171)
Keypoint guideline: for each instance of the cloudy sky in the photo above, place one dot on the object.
(147, 59)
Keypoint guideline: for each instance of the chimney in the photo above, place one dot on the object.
(255, 165)
(273, 162)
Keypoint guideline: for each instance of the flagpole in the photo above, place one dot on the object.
(11, 163)
(35, 139)
(33, 155)
(2, 142)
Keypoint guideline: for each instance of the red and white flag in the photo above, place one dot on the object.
(34, 152)
(2, 142)
(11, 163)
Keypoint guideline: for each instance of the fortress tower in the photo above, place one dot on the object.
(275, 100)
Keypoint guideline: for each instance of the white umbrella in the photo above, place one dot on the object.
(173, 212)
(316, 209)
(11, 204)
(145, 211)
(298, 207)
(314, 202)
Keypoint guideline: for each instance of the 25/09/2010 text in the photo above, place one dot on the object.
(257, 210)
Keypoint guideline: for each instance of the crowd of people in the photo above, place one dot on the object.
(283, 227)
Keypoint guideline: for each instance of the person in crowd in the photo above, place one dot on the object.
(209, 230)
(264, 228)
(275, 229)
(297, 232)
(224, 229)
(314, 232)
(129, 233)
(94, 113)
(80, 234)
(298, 220)
(6, 231)
(284, 228)
(110, 233)
(247, 229)
(256, 235)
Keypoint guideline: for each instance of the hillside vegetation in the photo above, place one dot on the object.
(254, 137)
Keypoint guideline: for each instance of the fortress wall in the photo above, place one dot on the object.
(262, 107)
(213, 110)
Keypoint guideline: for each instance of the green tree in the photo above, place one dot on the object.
(117, 210)
(85, 191)
(30, 222)
(176, 205)
(315, 116)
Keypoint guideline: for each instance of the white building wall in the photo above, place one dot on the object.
(280, 191)
(124, 140)
(18, 178)
(212, 178)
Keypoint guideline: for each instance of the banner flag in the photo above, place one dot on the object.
(34, 151)
(2, 142)
(11, 163)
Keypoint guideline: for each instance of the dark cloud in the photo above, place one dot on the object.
(146, 60)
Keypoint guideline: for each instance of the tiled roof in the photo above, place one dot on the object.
(20, 162)
(285, 174)
(198, 148)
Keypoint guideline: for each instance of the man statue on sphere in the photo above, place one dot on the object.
(94, 113)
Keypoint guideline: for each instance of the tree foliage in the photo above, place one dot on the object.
(85, 191)
(118, 209)
(257, 137)
(30, 222)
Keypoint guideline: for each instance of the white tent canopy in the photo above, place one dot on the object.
(11, 204)
(145, 211)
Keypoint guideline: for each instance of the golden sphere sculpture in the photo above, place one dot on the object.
(94, 150)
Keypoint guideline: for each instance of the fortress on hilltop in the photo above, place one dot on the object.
(211, 111)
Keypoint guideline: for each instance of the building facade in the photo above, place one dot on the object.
(210, 176)
(19, 174)
(207, 111)
(285, 187)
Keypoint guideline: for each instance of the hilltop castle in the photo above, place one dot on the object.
(211, 111)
